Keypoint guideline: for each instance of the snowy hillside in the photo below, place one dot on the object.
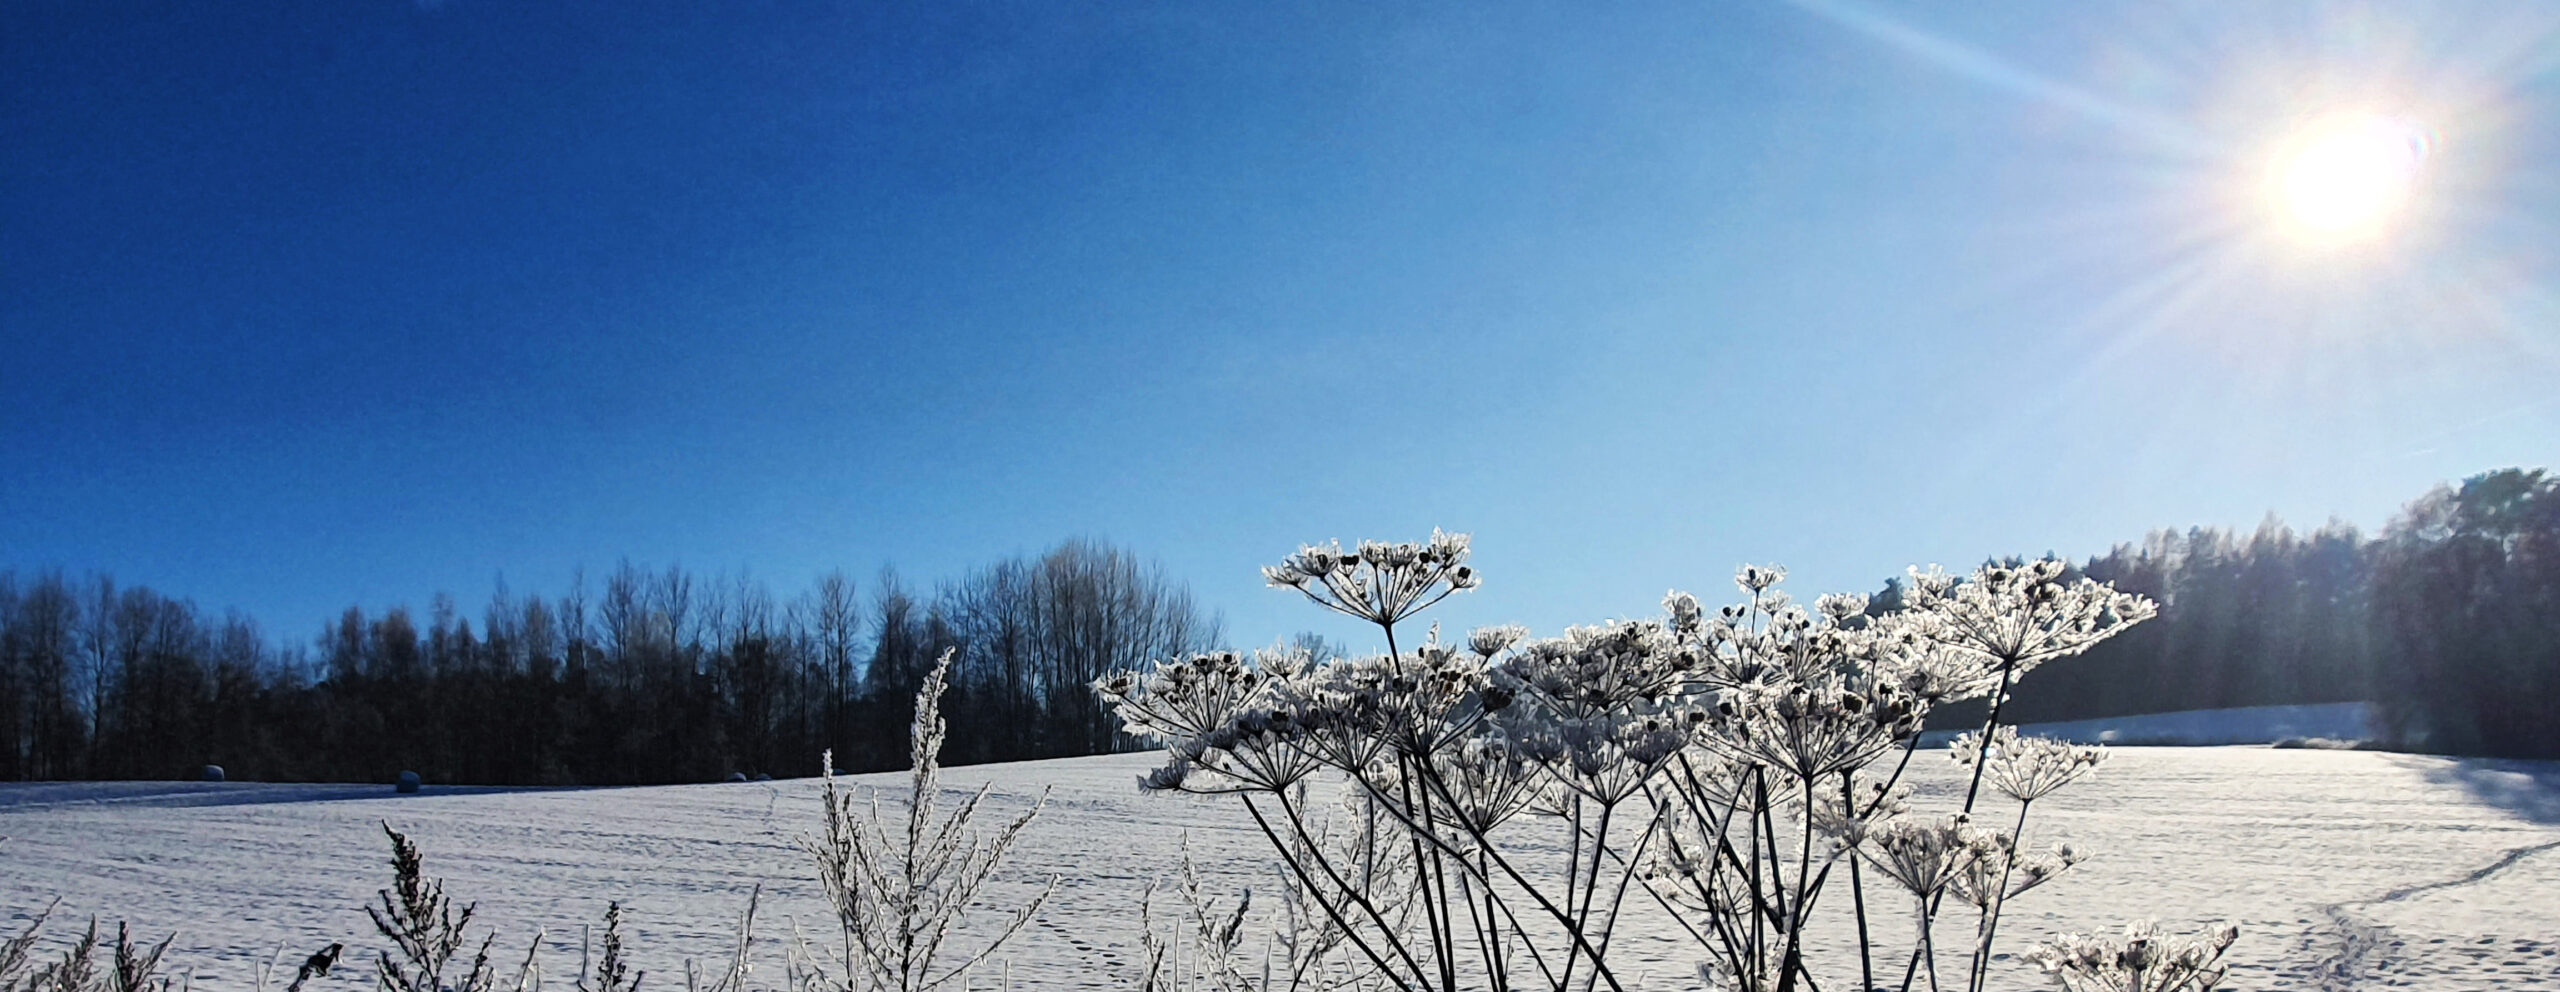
(2343, 869)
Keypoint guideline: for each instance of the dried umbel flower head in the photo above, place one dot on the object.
(2143, 960)
(1381, 583)
(1841, 607)
(1685, 612)
(1601, 668)
(2025, 768)
(1924, 856)
(1484, 781)
(1352, 709)
(2002, 872)
(2024, 615)
(1771, 639)
(1606, 756)
(1847, 818)
(1183, 697)
(1907, 649)
(1220, 721)
(1431, 698)
(1489, 641)
(1810, 729)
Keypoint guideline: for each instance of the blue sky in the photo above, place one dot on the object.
(316, 304)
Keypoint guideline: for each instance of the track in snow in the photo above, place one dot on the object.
(2366, 949)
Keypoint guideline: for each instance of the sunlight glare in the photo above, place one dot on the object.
(2346, 178)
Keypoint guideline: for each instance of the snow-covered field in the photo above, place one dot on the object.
(2239, 725)
(2343, 869)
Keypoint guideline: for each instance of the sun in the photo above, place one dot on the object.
(2348, 177)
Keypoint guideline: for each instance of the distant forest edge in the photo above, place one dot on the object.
(650, 677)
(2449, 622)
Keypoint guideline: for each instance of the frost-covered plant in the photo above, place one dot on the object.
(608, 970)
(1811, 729)
(2017, 618)
(88, 965)
(421, 923)
(16, 959)
(1923, 856)
(2025, 768)
(902, 888)
(1205, 945)
(2000, 871)
(2143, 960)
(1727, 763)
(733, 977)
(1380, 583)
(2024, 615)
(427, 931)
(1911, 654)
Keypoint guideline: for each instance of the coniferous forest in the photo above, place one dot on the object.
(2449, 620)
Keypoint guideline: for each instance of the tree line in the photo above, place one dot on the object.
(2449, 622)
(648, 677)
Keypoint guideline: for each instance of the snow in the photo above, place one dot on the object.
(2344, 869)
(2239, 725)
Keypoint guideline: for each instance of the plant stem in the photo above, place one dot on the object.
(1982, 754)
(1999, 901)
(2008, 674)
(1858, 888)
(1330, 909)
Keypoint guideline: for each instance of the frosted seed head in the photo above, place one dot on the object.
(1164, 778)
(1757, 578)
(1489, 641)
(1840, 607)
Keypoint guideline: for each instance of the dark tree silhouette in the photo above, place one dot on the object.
(2450, 622)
